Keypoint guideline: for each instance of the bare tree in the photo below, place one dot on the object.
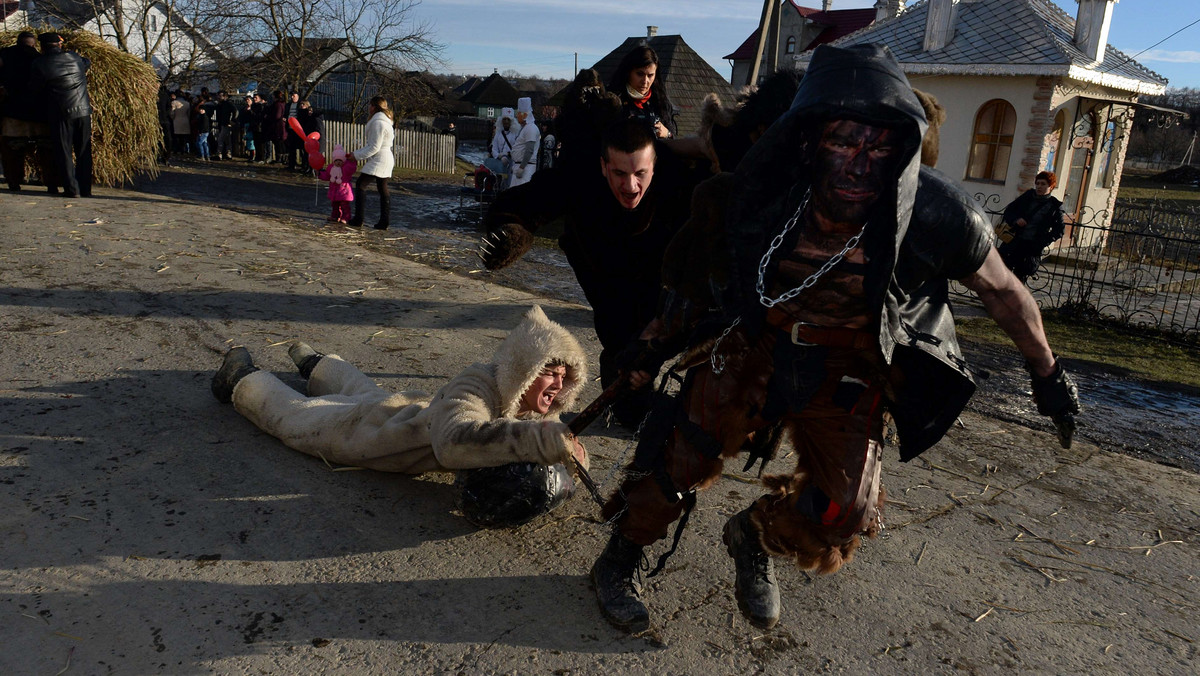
(300, 43)
(168, 34)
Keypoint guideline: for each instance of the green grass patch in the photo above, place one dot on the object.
(1137, 356)
(1146, 188)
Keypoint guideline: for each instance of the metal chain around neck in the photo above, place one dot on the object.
(761, 286)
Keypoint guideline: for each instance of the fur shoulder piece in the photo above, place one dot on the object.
(535, 342)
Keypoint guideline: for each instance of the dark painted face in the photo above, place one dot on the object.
(853, 165)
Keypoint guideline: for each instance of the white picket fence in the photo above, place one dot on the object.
(413, 149)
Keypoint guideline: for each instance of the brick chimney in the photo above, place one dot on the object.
(939, 24)
(888, 9)
(1091, 27)
(651, 31)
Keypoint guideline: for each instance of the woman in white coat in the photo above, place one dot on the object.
(375, 161)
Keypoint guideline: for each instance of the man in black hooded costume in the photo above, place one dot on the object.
(824, 264)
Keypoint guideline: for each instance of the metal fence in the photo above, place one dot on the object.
(1139, 266)
(414, 149)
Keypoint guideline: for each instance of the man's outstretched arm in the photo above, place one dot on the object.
(518, 213)
(1012, 307)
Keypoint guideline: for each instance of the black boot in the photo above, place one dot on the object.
(756, 589)
(617, 588)
(304, 357)
(237, 365)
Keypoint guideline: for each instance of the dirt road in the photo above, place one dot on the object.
(145, 528)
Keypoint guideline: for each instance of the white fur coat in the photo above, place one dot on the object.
(470, 422)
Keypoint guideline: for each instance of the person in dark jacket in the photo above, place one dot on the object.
(1035, 220)
(204, 110)
(276, 127)
(258, 128)
(294, 142)
(58, 81)
(310, 121)
(617, 223)
(828, 256)
(642, 91)
(21, 120)
(224, 119)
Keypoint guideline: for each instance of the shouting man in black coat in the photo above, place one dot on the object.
(58, 81)
(618, 222)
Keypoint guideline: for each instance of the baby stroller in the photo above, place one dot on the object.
(480, 187)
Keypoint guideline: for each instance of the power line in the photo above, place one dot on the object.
(1131, 58)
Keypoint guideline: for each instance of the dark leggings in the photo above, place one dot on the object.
(385, 200)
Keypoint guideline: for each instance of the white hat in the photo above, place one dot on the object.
(525, 105)
(507, 112)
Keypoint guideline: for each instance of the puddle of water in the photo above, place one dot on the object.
(1119, 415)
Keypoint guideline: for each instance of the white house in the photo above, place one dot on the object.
(153, 30)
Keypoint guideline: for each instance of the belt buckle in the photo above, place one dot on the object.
(796, 334)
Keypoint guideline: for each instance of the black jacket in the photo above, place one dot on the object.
(616, 254)
(58, 81)
(927, 232)
(14, 77)
(1043, 217)
(310, 121)
(204, 117)
(227, 113)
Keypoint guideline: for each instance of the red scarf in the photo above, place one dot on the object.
(636, 101)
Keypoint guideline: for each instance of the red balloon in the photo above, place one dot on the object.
(316, 161)
(295, 125)
(316, 136)
(312, 145)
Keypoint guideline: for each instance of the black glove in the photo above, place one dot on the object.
(1057, 396)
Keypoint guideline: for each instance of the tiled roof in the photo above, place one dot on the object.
(838, 22)
(688, 77)
(1005, 37)
(495, 91)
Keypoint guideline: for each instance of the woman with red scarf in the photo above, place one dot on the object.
(642, 93)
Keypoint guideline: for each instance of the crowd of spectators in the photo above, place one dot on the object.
(246, 127)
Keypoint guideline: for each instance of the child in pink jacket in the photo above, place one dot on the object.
(341, 190)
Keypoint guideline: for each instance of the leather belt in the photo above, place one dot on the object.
(807, 334)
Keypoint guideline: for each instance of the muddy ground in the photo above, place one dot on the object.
(145, 528)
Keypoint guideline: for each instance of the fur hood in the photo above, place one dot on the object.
(529, 347)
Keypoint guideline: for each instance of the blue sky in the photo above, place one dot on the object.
(541, 36)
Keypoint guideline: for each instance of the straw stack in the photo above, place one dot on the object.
(126, 137)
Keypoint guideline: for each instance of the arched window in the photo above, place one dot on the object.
(791, 45)
(991, 145)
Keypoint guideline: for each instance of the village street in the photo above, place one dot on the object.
(146, 528)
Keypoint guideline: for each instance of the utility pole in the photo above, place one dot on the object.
(576, 71)
(765, 26)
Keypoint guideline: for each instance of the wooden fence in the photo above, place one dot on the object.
(413, 149)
